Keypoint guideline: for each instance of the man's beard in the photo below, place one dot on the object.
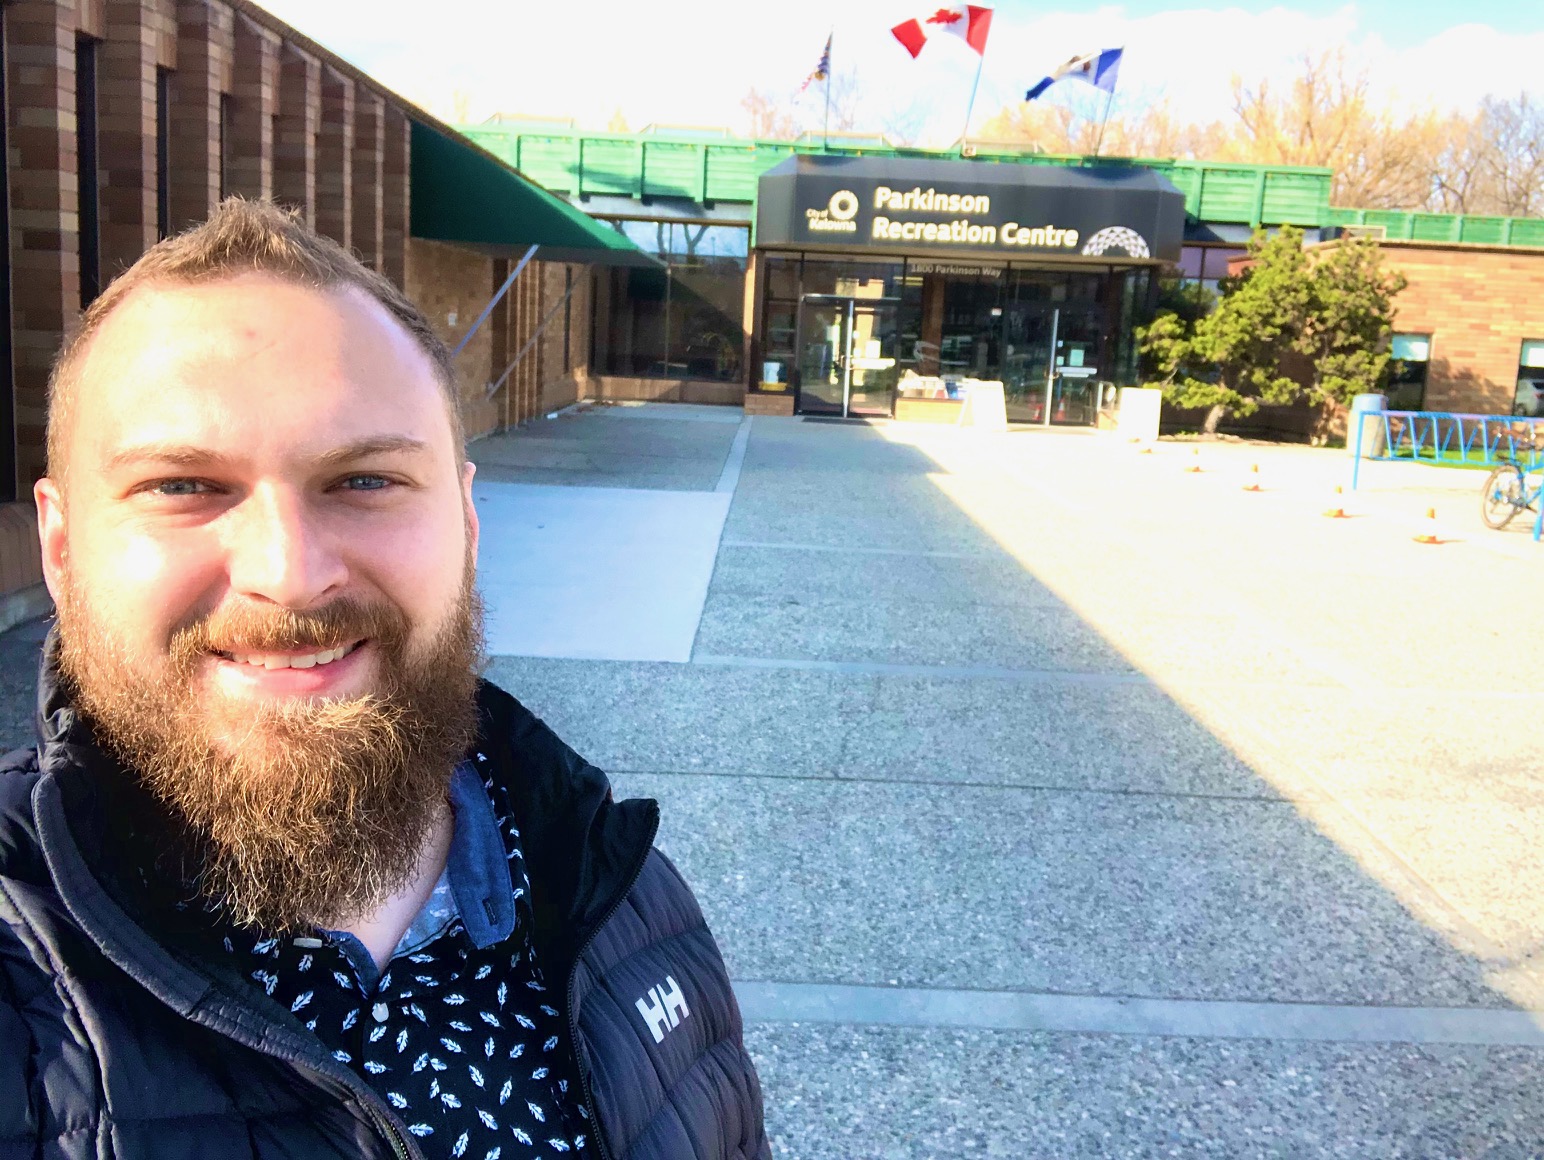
(295, 812)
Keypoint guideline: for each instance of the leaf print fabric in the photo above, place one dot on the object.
(460, 1040)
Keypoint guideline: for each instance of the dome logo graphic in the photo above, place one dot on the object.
(1117, 239)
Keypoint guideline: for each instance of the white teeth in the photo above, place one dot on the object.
(281, 661)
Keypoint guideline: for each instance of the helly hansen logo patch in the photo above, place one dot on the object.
(663, 1008)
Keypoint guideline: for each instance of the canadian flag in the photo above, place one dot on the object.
(969, 22)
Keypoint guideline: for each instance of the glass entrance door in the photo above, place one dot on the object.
(847, 355)
(1034, 378)
(1027, 339)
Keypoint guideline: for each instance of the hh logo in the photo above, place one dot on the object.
(663, 1008)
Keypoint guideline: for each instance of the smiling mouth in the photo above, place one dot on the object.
(288, 661)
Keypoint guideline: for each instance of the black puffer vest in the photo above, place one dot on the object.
(114, 1044)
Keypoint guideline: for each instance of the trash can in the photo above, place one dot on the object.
(1372, 433)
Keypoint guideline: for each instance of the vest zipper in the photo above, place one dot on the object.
(383, 1119)
(573, 1016)
(52, 827)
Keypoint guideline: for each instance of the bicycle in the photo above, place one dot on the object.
(1507, 493)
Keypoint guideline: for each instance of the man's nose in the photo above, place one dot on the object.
(279, 551)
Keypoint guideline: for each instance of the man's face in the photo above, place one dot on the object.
(262, 558)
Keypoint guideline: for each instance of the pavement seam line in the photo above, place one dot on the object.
(845, 549)
(1036, 787)
(955, 672)
(1038, 1011)
(729, 478)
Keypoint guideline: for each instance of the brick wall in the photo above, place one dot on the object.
(1478, 303)
(21, 560)
(45, 244)
(254, 108)
(453, 284)
(248, 112)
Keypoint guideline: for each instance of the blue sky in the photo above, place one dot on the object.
(692, 62)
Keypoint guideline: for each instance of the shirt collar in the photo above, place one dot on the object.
(478, 863)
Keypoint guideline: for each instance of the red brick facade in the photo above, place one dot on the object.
(1478, 303)
(252, 107)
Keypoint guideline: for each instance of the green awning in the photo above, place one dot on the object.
(464, 195)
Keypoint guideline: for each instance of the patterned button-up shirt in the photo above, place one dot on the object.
(458, 1033)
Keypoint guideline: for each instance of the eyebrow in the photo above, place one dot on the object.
(192, 457)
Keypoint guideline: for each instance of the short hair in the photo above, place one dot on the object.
(243, 237)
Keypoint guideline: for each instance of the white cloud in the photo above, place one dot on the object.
(695, 64)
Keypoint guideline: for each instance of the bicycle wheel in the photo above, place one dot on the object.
(1504, 496)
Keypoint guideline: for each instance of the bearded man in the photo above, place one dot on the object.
(282, 877)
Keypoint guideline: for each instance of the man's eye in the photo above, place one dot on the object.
(178, 487)
(366, 483)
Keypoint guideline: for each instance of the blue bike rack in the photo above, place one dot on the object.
(1487, 440)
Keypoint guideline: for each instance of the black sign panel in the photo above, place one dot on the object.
(964, 210)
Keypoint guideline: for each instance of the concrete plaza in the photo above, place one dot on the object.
(1050, 799)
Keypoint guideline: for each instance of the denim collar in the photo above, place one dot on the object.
(474, 886)
(478, 863)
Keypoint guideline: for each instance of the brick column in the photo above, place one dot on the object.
(396, 197)
(139, 37)
(294, 145)
(366, 161)
(334, 159)
(45, 263)
(205, 42)
(254, 89)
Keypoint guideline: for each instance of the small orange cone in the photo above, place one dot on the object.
(1336, 513)
(1428, 537)
(1254, 484)
(1195, 468)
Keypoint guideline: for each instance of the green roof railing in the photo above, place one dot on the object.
(705, 170)
(650, 165)
(1475, 229)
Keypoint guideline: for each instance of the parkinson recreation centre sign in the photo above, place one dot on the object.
(1005, 209)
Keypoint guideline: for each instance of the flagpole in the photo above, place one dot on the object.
(1109, 100)
(970, 108)
(825, 132)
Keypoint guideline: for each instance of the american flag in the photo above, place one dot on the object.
(822, 70)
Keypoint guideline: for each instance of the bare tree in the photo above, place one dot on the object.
(1139, 127)
(770, 119)
(1328, 117)
(1511, 134)
(846, 97)
(904, 125)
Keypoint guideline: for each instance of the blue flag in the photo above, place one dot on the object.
(1096, 68)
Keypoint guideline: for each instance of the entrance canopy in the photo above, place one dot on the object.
(464, 195)
(971, 210)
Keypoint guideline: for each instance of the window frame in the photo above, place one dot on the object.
(1392, 384)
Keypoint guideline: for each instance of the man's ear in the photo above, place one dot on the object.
(50, 504)
(469, 469)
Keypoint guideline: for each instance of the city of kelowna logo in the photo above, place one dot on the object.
(838, 215)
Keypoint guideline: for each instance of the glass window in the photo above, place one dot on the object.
(87, 171)
(1407, 371)
(682, 319)
(783, 278)
(858, 279)
(1530, 379)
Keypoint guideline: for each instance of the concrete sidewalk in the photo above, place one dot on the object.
(1051, 800)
